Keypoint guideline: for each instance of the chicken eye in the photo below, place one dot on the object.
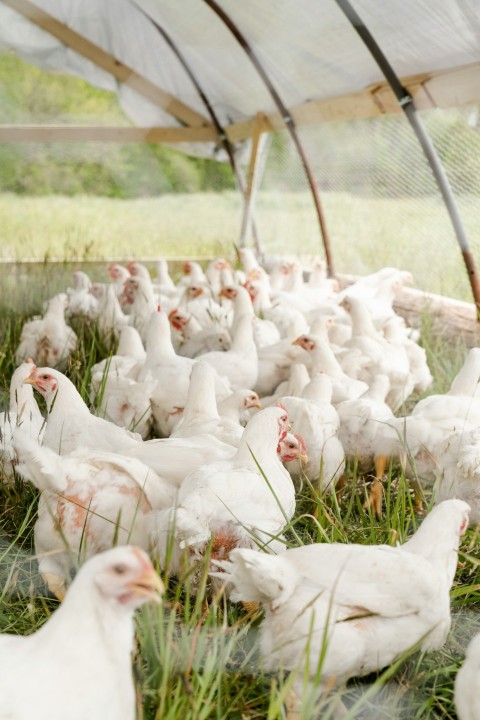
(45, 377)
(120, 569)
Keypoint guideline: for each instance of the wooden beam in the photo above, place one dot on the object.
(86, 133)
(123, 73)
(438, 89)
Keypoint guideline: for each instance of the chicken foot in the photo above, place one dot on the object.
(375, 497)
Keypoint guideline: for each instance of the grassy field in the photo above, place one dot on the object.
(198, 659)
(366, 234)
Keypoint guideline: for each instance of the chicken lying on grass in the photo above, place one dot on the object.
(336, 611)
(78, 665)
(90, 501)
(48, 339)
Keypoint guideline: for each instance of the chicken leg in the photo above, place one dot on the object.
(252, 608)
(374, 500)
(292, 705)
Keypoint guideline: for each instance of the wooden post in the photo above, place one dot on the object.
(258, 139)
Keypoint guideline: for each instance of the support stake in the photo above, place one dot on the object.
(258, 139)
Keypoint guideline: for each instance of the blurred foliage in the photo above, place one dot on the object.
(371, 157)
(30, 96)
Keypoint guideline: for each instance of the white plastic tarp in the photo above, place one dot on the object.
(307, 48)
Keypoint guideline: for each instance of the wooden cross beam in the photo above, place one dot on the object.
(123, 73)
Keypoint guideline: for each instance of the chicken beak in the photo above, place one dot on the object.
(303, 457)
(148, 585)
(30, 380)
(297, 342)
(253, 404)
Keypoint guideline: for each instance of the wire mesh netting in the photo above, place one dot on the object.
(381, 201)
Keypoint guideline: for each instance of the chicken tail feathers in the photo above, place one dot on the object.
(257, 577)
(39, 464)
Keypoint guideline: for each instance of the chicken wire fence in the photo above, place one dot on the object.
(381, 202)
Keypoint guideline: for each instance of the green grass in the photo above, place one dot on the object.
(198, 657)
(366, 234)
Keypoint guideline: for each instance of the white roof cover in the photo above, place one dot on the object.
(307, 48)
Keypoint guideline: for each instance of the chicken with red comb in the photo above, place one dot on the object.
(242, 502)
(79, 664)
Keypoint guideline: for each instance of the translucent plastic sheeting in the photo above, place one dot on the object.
(307, 48)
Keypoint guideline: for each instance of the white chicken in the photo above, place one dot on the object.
(467, 696)
(459, 460)
(48, 340)
(242, 502)
(119, 274)
(79, 663)
(294, 385)
(89, 502)
(467, 380)
(139, 296)
(265, 332)
(70, 424)
(175, 458)
(314, 417)
(164, 281)
(239, 365)
(419, 435)
(336, 611)
(170, 373)
(239, 406)
(378, 291)
(282, 314)
(129, 358)
(191, 340)
(200, 414)
(110, 316)
(80, 299)
(361, 422)
(124, 402)
(198, 301)
(381, 356)
(23, 413)
(343, 386)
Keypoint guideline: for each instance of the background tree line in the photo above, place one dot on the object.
(378, 156)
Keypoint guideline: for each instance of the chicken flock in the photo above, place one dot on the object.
(227, 391)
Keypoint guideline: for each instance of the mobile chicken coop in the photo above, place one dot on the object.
(370, 98)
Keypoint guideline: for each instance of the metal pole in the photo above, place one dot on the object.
(408, 106)
(227, 145)
(287, 119)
